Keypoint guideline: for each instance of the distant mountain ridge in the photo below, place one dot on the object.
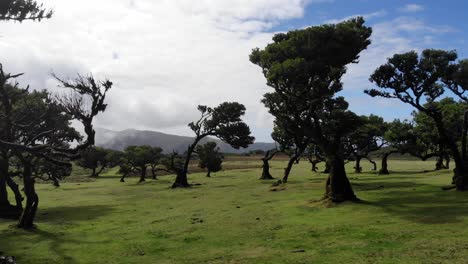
(119, 140)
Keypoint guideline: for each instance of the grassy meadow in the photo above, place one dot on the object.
(233, 217)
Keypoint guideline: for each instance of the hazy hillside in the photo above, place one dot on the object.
(118, 140)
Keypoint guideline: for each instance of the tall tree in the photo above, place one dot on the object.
(223, 122)
(19, 10)
(304, 68)
(421, 81)
(209, 157)
(44, 130)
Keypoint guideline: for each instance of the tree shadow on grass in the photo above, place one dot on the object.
(70, 214)
(420, 203)
(56, 238)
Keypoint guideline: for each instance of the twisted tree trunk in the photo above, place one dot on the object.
(181, 180)
(338, 188)
(374, 164)
(266, 166)
(143, 174)
(287, 170)
(357, 167)
(384, 169)
(32, 199)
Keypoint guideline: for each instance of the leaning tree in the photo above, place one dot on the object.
(14, 10)
(44, 130)
(292, 144)
(223, 122)
(426, 129)
(304, 69)
(421, 81)
(209, 157)
(269, 154)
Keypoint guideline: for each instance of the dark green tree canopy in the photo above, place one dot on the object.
(209, 157)
(422, 81)
(417, 80)
(225, 123)
(304, 68)
(20, 10)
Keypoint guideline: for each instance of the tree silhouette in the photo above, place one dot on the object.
(304, 69)
(223, 122)
(20, 10)
(43, 130)
(421, 81)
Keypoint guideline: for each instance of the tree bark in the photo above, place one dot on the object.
(32, 199)
(447, 162)
(384, 169)
(18, 197)
(338, 188)
(209, 173)
(288, 168)
(266, 166)
(374, 164)
(143, 174)
(440, 163)
(93, 174)
(266, 170)
(153, 172)
(357, 166)
(3, 186)
(181, 180)
(460, 177)
(97, 173)
(122, 179)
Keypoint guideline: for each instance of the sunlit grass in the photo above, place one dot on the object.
(233, 217)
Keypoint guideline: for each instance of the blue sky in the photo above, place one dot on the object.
(167, 56)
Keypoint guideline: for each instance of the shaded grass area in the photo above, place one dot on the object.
(233, 217)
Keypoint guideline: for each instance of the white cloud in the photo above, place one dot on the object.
(164, 56)
(367, 16)
(167, 56)
(411, 8)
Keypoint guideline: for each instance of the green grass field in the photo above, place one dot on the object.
(235, 218)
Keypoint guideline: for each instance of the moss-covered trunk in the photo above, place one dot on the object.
(266, 170)
(181, 180)
(384, 169)
(338, 188)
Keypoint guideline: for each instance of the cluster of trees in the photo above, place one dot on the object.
(304, 68)
(140, 159)
(37, 140)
